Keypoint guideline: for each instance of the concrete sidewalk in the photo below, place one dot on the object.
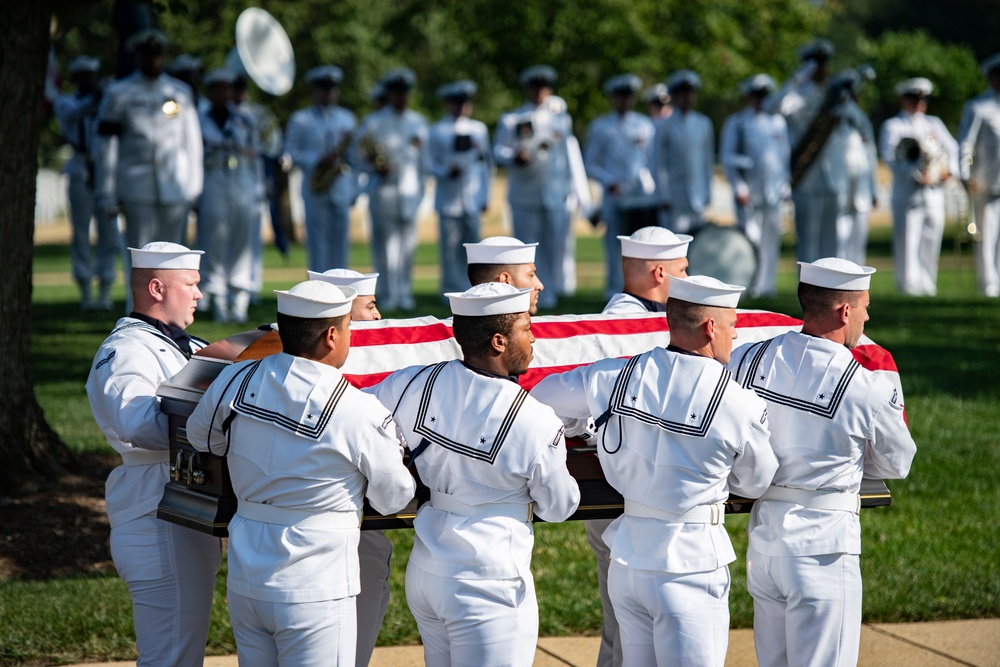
(973, 643)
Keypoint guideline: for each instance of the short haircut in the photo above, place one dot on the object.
(300, 335)
(686, 316)
(818, 301)
(487, 273)
(474, 333)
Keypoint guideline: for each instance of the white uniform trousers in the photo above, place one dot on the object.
(453, 232)
(807, 609)
(473, 622)
(374, 557)
(101, 263)
(680, 221)
(550, 229)
(394, 243)
(300, 634)
(228, 220)
(615, 282)
(987, 210)
(327, 227)
(852, 236)
(762, 226)
(816, 215)
(917, 229)
(170, 573)
(610, 653)
(671, 619)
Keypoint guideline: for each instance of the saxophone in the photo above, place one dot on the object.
(324, 175)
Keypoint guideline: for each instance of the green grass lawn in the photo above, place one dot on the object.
(932, 555)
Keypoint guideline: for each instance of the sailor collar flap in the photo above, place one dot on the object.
(463, 416)
(145, 327)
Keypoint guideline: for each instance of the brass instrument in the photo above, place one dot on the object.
(927, 157)
(327, 170)
(374, 152)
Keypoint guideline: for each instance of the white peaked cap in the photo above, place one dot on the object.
(836, 273)
(315, 299)
(490, 299)
(165, 255)
(705, 291)
(362, 283)
(655, 243)
(917, 86)
(500, 250)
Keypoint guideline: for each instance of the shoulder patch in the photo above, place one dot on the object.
(112, 354)
(895, 397)
(560, 437)
(386, 422)
(763, 417)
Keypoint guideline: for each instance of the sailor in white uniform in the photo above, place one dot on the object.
(683, 157)
(504, 259)
(657, 101)
(492, 457)
(390, 146)
(617, 156)
(149, 158)
(755, 154)
(922, 155)
(832, 423)
(675, 437)
(305, 449)
(169, 570)
(461, 161)
(649, 257)
(531, 142)
(318, 140)
(365, 308)
(979, 141)
(229, 215)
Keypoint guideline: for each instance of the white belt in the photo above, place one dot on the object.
(823, 499)
(448, 503)
(713, 514)
(145, 457)
(286, 516)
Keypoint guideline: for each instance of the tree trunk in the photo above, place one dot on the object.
(30, 451)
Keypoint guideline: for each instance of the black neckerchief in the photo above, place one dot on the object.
(512, 378)
(176, 334)
(650, 305)
(674, 348)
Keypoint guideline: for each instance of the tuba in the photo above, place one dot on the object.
(263, 52)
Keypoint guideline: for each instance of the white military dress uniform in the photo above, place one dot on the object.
(312, 133)
(675, 437)
(755, 153)
(917, 208)
(538, 191)
(682, 160)
(832, 423)
(979, 141)
(617, 155)
(461, 162)
(399, 139)
(77, 116)
(169, 570)
(491, 456)
(304, 449)
(229, 215)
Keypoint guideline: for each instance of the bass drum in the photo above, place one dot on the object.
(724, 253)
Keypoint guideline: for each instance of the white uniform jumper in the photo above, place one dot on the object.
(979, 141)
(169, 570)
(832, 423)
(675, 437)
(682, 159)
(304, 448)
(490, 455)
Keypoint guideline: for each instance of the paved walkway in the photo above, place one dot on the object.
(973, 643)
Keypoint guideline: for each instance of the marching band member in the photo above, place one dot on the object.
(657, 101)
(304, 450)
(832, 423)
(169, 569)
(504, 259)
(675, 437)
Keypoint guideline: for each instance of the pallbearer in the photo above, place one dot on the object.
(365, 307)
(504, 259)
(649, 257)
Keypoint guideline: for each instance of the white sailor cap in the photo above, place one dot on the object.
(500, 250)
(628, 84)
(819, 49)
(220, 75)
(836, 273)
(84, 64)
(490, 299)
(325, 75)
(655, 243)
(656, 93)
(757, 83)
(185, 62)
(991, 63)
(705, 291)
(148, 39)
(315, 300)
(919, 87)
(458, 90)
(684, 78)
(399, 78)
(544, 75)
(362, 283)
(165, 255)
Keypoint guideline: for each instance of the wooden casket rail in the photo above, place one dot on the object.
(199, 494)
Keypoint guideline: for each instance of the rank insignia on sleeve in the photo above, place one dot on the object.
(560, 437)
(105, 359)
(386, 422)
(763, 417)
